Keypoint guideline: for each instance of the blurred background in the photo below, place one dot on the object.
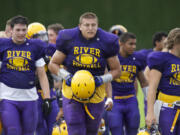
(142, 17)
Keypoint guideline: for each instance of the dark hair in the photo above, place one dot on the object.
(56, 27)
(158, 37)
(18, 20)
(126, 36)
(88, 15)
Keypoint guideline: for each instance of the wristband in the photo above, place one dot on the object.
(107, 77)
(63, 73)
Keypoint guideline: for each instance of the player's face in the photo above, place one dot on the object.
(52, 36)
(19, 33)
(88, 28)
(161, 44)
(129, 46)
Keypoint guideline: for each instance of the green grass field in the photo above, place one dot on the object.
(140, 98)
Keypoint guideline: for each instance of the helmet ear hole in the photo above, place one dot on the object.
(34, 29)
(83, 85)
(60, 128)
(118, 29)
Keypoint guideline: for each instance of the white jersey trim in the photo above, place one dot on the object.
(40, 62)
(16, 94)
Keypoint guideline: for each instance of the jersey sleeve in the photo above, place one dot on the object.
(41, 49)
(112, 49)
(61, 42)
(155, 60)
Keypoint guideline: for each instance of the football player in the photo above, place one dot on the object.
(85, 47)
(20, 58)
(46, 119)
(164, 77)
(125, 110)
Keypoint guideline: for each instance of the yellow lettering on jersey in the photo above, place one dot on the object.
(95, 65)
(18, 53)
(76, 49)
(8, 54)
(25, 54)
(134, 69)
(97, 52)
(92, 51)
(173, 67)
(86, 50)
(130, 68)
(81, 50)
(124, 67)
(28, 54)
(13, 53)
(173, 82)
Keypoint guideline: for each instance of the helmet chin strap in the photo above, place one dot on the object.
(87, 111)
(85, 104)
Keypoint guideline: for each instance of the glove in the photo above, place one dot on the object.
(108, 104)
(98, 81)
(46, 106)
(68, 79)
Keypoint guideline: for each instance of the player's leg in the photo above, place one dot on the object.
(29, 117)
(10, 117)
(41, 128)
(132, 116)
(74, 115)
(166, 119)
(105, 117)
(51, 118)
(115, 118)
(96, 111)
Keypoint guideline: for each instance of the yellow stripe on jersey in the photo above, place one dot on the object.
(124, 97)
(168, 98)
(97, 98)
(175, 120)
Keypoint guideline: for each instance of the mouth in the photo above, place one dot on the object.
(90, 33)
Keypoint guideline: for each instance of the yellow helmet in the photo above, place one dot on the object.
(60, 129)
(153, 130)
(118, 29)
(37, 30)
(143, 132)
(83, 85)
(102, 127)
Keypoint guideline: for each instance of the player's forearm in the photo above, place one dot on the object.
(114, 65)
(109, 90)
(53, 67)
(151, 99)
(45, 87)
(44, 82)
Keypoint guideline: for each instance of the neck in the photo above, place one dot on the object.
(18, 42)
(123, 53)
(175, 52)
(156, 49)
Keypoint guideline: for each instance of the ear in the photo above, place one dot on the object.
(157, 43)
(79, 26)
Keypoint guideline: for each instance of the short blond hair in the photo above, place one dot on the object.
(173, 38)
(88, 15)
